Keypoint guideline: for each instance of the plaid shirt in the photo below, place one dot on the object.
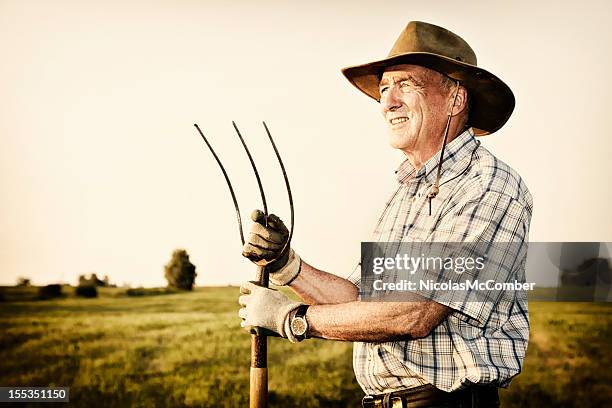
(481, 199)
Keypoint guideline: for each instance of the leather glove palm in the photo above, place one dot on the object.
(266, 308)
(264, 246)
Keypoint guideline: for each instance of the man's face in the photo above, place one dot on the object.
(415, 106)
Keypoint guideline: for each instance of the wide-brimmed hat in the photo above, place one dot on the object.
(430, 46)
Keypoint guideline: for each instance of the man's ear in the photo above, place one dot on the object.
(461, 102)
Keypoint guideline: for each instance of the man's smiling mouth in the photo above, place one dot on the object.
(395, 121)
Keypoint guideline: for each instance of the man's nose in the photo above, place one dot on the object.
(391, 100)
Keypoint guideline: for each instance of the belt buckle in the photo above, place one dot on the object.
(367, 401)
(402, 402)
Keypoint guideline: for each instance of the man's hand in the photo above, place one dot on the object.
(266, 308)
(264, 246)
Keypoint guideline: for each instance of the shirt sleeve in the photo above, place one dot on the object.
(493, 225)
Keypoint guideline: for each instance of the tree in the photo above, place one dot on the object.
(23, 282)
(93, 280)
(179, 272)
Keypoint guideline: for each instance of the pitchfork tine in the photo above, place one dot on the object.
(280, 161)
(229, 184)
(261, 190)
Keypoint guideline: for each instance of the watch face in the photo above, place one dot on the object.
(298, 326)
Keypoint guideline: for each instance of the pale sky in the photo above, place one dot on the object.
(102, 171)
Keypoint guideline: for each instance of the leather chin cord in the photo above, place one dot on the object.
(435, 189)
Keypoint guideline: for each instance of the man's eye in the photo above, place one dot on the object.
(383, 89)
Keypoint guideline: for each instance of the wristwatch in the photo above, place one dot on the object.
(299, 324)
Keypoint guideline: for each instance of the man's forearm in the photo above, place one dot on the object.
(375, 321)
(317, 287)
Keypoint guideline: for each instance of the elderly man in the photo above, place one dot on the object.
(433, 352)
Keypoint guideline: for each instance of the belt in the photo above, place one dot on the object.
(428, 395)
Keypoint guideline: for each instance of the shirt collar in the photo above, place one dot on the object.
(455, 151)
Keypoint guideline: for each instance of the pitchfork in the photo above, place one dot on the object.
(258, 395)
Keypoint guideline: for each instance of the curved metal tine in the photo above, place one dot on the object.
(229, 184)
(280, 161)
(261, 190)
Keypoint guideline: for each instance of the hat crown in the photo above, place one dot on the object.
(424, 37)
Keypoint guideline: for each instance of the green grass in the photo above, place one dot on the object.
(186, 349)
(569, 358)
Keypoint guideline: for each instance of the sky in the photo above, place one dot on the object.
(101, 169)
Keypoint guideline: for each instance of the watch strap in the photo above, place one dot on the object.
(301, 310)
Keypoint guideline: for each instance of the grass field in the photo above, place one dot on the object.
(186, 349)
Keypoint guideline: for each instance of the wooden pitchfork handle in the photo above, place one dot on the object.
(258, 395)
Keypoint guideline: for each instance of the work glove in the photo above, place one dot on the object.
(264, 244)
(266, 308)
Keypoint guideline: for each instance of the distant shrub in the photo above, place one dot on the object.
(52, 291)
(148, 291)
(179, 272)
(87, 291)
(589, 273)
(23, 282)
(93, 280)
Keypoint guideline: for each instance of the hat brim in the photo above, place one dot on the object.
(492, 101)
